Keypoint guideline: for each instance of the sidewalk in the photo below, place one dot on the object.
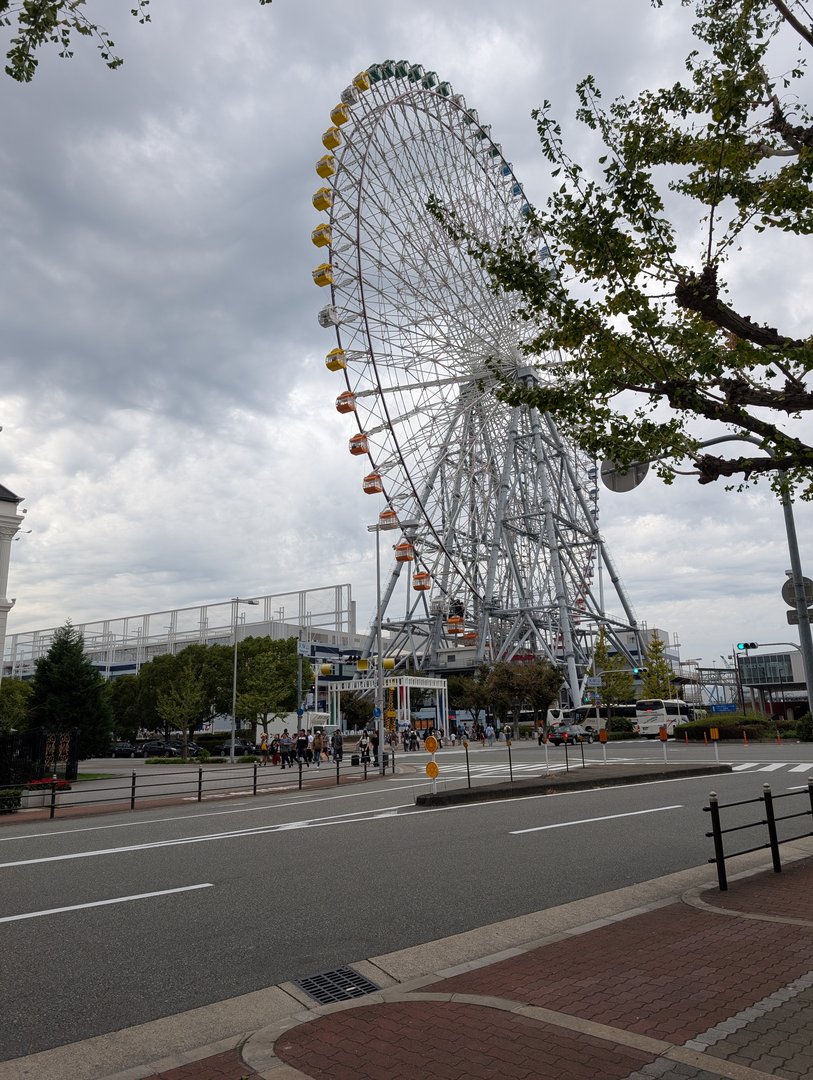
(668, 978)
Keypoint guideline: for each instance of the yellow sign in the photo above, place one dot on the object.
(431, 744)
(714, 733)
(663, 733)
(432, 769)
(602, 735)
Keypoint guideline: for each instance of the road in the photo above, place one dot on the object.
(113, 921)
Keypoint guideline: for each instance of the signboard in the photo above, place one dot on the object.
(430, 744)
(714, 733)
(593, 680)
(725, 706)
(376, 712)
(789, 592)
(793, 616)
(432, 770)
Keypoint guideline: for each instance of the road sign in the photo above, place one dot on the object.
(663, 733)
(593, 680)
(793, 616)
(723, 706)
(602, 735)
(789, 592)
(432, 770)
(714, 733)
(376, 712)
(390, 714)
(430, 744)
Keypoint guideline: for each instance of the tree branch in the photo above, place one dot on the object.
(788, 16)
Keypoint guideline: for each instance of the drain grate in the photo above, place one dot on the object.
(341, 984)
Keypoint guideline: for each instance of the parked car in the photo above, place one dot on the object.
(192, 749)
(571, 733)
(155, 748)
(124, 749)
(241, 746)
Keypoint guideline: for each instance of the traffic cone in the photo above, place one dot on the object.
(745, 736)
(705, 739)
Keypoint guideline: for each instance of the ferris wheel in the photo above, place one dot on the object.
(499, 553)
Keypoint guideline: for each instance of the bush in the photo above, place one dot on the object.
(620, 725)
(804, 728)
(10, 799)
(729, 725)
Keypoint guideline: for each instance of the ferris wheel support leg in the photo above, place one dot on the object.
(497, 536)
(565, 625)
(606, 558)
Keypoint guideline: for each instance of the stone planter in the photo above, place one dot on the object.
(30, 800)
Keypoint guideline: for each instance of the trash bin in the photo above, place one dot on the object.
(355, 759)
(386, 760)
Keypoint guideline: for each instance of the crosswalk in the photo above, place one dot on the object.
(774, 766)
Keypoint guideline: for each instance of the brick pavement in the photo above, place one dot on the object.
(227, 1066)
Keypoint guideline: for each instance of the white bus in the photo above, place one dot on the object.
(652, 714)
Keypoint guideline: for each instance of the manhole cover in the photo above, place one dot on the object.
(341, 984)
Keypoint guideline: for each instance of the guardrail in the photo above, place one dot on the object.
(137, 789)
(770, 821)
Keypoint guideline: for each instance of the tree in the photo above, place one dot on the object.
(182, 702)
(540, 684)
(15, 696)
(68, 692)
(617, 681)
(658, 675)
(36, 23)
(266, 679)
(470, 692)
(357, 709)
(125, 702)
(630, 304)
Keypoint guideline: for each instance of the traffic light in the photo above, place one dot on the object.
(639, 671)
(741, 645)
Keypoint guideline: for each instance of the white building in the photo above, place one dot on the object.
(10, 521)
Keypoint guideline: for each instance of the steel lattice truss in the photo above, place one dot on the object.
(503, 512)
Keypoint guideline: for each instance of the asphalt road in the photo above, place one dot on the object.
(179, 907)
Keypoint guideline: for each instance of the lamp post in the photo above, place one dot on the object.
(236, 602)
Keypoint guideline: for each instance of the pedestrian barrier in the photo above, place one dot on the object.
(192, 784)
(770, 821)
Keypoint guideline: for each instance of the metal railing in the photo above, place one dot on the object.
(769, 821)
(191, 784)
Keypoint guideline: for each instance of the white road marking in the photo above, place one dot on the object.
(803, 768)
(748, 765)
(587, 821)
(104, 903)
(772, 768)
(351, 818)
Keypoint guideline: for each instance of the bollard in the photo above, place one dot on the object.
(547, 761)
(364, 763)
(778, 738)
(53, 795)
(254, 789)
(705, 739)
(338, 781)
(745, 737)
(132, 791)
(468, 770)
(510, 765)
(200, 783)
(717, 834)
(686, 737)
(581, 747)
(300, 774)
(770, 821)
(810, 793)
(567, 763)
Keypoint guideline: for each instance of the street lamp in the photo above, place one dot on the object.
(236, 601)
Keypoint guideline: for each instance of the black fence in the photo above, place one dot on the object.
(139, 789)
(770, 822)
(36, 754)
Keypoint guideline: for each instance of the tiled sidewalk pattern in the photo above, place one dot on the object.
(448, 1041)
(667, 974)
(786, 895)
(227, 1066)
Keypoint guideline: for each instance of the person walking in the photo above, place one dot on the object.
(286, 747)
(374, 745)
(337, 745)
(364, 748)
(316, 747)
(489, 733)
(264, 748)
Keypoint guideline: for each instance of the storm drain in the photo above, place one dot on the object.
(341, 984)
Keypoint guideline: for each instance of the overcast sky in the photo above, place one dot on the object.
(166, 412)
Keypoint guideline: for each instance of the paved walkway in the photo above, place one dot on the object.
(666, 979)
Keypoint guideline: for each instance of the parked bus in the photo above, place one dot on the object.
(653, 713)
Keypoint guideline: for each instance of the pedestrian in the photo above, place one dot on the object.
(301, 748)
(264, 748)
(276, 757)
(364, 748)
(374, 745)
(489, 735)
(337, 745)
(316, 747)
(286, 749)
(413, 739)
(453, 739)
